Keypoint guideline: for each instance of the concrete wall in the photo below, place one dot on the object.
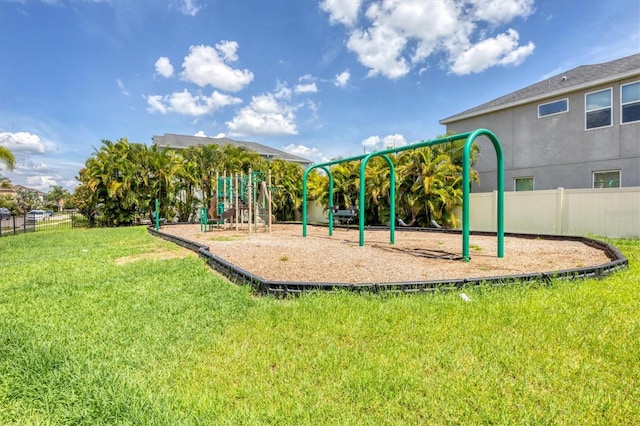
(556, 150)
(611, 212)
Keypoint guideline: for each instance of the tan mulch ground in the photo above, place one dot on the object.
(284, 255)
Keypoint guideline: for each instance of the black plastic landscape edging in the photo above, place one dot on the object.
(285, 288)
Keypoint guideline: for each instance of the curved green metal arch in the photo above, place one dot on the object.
(466, 182)
(304, 197)
(470, 139)
(392, 196)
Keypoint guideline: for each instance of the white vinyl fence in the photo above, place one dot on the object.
(609, 212)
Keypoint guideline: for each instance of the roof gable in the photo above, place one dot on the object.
(184, 141)
(578, 78)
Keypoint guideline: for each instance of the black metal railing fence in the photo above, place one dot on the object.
(19, 224)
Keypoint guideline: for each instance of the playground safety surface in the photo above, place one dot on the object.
(284, 261)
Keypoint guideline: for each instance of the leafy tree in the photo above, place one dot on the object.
(27, 200)
(84, 200)
(57, 196)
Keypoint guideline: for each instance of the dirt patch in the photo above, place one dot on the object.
(156, 254)
(285, 255)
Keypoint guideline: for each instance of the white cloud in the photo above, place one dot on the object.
(341, 11)
(202, 134)
(268, 114)
(343, 78)
(205, 65)
(501, 11)
(375, 143)
(371, 141)
(501, 50)
(122, 87)
(41, 183)
(164, 67)
(306, 88)
(313, 154)
(189, 7)
(398, 35)
(156, 104)
(22, 142)
(379, 48)
(187, 104)
(394, 141)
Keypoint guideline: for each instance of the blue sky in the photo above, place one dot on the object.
(318, 78)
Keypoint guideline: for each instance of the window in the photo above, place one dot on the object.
(598, 109)
(555, 107)
(630, 99)
(606, 179)
(523, 183)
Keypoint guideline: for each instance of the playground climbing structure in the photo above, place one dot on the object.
(239, 199)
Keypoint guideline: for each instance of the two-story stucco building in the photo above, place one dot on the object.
(578, 129)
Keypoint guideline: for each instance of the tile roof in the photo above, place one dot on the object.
(184, 141)
(569, 81)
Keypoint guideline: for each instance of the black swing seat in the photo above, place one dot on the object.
(342, 216)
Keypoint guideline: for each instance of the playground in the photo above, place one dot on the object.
(295, 258)
(285, 255)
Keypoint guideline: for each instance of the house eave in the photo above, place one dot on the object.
(546, 95)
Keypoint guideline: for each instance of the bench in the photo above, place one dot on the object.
(341, 216)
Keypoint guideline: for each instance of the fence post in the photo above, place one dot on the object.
(559, 211)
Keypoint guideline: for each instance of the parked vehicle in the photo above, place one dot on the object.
(48, 213)
(4, 213)
(36, 215)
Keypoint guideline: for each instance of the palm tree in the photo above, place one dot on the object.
(112, 175)
(208, 160)
(286, 178)
(236, 159)
(377, 191)
(165, 166)
(429, 186)
(346, 183)
(57, 196)
(7, 158)
(188, 179)
(318, 188)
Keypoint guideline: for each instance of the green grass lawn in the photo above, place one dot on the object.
(93, 331)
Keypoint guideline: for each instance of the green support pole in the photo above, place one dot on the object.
(330, 200)
(304, 202)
